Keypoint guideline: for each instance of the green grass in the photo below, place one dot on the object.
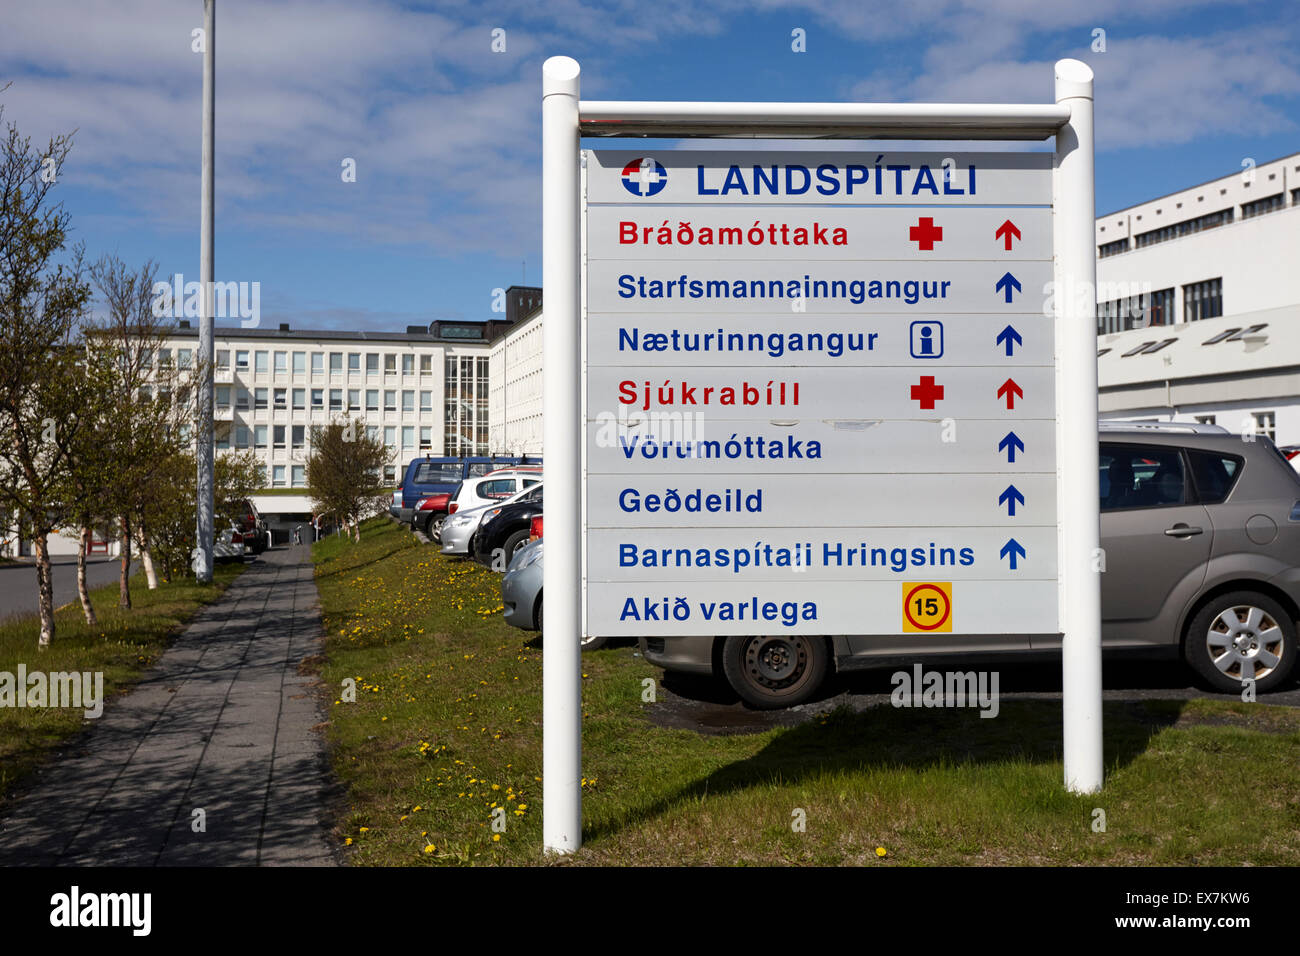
(447, 724)
(122, 646)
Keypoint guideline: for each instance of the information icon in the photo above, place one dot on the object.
(927, 340)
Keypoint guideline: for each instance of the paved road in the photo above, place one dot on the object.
(223, 724)
(711, 707)
(18, 582)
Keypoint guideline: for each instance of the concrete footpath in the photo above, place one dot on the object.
(222, 725)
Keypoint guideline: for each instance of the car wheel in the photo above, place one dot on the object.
(434, 525)
(513, 545)
(777, 670)
(1238, 637)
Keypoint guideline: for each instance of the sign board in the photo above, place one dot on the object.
(820, 393)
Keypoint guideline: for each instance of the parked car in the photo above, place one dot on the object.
(503, 530)
(1201, 536)
(492, 488)
(230, 544)
(430, 476)
(1292, 454)
(521, 592)
(250, 521)
(457, 532)
(429, 514)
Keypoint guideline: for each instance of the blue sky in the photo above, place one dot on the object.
(444, 131)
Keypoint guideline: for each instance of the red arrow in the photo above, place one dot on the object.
(1011, 390)
(1007, 229)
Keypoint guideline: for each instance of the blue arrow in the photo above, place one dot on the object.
(1007, 282)
(1012, 548)
(1010, 497)
(1010, 336)
(1010, 444)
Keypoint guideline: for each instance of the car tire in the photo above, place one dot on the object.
(512, 545)
(775, 671)
(433, 526)
(1240, 635)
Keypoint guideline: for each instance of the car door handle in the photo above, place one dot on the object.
(1183, 531)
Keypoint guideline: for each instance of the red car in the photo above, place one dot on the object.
(429, 513)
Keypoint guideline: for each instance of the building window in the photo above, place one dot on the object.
(1174, 231)
(221, 435)
(390, 475)
(426, 401)
(318, 398)
(372, 399)
(1265, 424)
(336, 363)
(426, 438)
(241, 399)
(164, 358)
(241, 361)
(299, 399)
(1203, 300)
(241, 436)
(390, 400)
(336, 399)
(408, 400)
(223, 358)
(299, 473)
(372, 363)
(408, 436)
(277, 436)
(299, 363)
(1260, 206)
(372, 432)
(259, 437)
(259, 400)
(183, 357)
(408, 364)
(281, 398)
(223, 396)
(390, 436)
(277, 476)
(354, 399)
(281, 362)
(299, 434)
(354, 362)
(260, 360)
(426, 361)
(318, 363)
(1112, 248)
(390, 363)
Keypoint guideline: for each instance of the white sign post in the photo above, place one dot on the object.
(824, 395)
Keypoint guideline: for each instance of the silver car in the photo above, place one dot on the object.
(458, 530)
(1201, 536)
(521, 593)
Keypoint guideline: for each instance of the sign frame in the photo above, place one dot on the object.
(566, 119)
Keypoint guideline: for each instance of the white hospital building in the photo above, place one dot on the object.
(1198, 311)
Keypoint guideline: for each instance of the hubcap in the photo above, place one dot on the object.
(776, 661)
(1245, 643)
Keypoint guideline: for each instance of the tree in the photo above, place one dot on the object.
(42, 378)
(344, 472)
(145, 409)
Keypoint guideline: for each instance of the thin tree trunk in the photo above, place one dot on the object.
(83, 545)
(45, 584)
(146, 560)
(124, 572)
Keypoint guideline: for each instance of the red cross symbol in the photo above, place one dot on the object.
(927, 393)
(925, 233)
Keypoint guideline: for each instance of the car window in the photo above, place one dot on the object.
(478, 469)
(428, 472)
(1141, 476)
(496, 489)
(1214, 473)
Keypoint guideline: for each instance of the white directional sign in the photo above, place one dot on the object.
(820, 393)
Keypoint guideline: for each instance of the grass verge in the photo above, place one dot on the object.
(122, 646)
(446, 729)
